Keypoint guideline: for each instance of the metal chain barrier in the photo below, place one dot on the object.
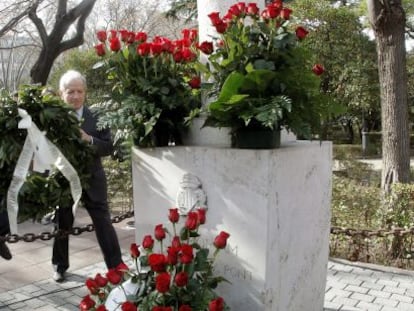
(46, 236)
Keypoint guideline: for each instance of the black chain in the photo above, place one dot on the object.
(46, 236)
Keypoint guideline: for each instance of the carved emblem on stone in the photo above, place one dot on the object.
(190, 195)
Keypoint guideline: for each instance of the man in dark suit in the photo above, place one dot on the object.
(72, 87)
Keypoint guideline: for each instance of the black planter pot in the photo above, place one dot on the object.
(256, 138)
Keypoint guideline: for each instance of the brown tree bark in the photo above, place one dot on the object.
(53, 44)
(387, 18)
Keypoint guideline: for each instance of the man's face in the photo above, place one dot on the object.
(74, 94)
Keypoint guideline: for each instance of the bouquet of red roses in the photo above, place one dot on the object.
(174, 277)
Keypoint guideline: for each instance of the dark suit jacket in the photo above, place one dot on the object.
(102, 144)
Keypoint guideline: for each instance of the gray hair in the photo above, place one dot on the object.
(68, 77)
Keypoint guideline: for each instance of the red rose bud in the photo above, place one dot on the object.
(216, 305)
(112, 34)
(113, 276)
(92, 286)
(100, 280)
(101, 35)
(134, 250)
(206, 47)
(215, 18)
(301, 32)
(186, 254)
(318, 69)
(252, 9)
(114, 44)
(188, 55)
(147, 242)
(181, 279)
(157, 262)
(285, 13)
(174, 216)
(221, 28)
(141, 36)
(221, 240)
(192, 221)
(185, 308)
(195, 83)
(159, 233)
(162, 282)
(100, 49)
(128, 306)
(172, 255)
(201, 215)
(193, 34)
(144, 49)
(86, 303)
(122, 268)
(124, 34)
(176, 242)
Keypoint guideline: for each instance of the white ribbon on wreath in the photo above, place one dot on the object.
(37, 149)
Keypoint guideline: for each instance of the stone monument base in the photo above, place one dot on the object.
(274, 203)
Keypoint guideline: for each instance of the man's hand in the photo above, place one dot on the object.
(86, 137)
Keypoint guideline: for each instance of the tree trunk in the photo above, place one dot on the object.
(387, 18)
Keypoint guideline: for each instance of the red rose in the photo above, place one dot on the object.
(201, 215)
(92, 286)
(113, 276)
(122, 268)
(101, 35)
(188, 55)
(215, 18)
(221, 28)
(128, 306)
(156, 48)
(144, 49)
(195, 82)
(134, 250)
(185, 308)
(174, 216)
(100, 49)
(114, 44)
(252, 9)
(176, 242)
(181, 279)
(159, 233)
(234, 10)
(216, 305)
(186, 254)
(172, 255)
(185, 33)
(206, 47)
(100, 280)
(141, 36)
(192, 221)
(272, 11)
(86, 303)
(162, 282)
(157, 262)
(221, 240)
(193, 34)
(318, 69)
(301, 32)
(285, 13)
(124, 34)
(178, 56)
(147, 242)
(101, 308)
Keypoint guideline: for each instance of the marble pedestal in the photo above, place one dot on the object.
(274, 203)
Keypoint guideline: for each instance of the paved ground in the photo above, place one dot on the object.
(26, 284)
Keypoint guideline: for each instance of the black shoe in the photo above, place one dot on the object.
(4, 251)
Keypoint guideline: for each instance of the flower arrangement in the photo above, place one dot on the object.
(154, 83)
(262, 71)
(174, 277)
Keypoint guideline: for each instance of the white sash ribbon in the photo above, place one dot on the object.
(44, 154)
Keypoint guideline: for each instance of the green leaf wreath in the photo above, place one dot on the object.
(41, 192)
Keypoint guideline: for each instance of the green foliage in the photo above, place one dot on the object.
(41, 192)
